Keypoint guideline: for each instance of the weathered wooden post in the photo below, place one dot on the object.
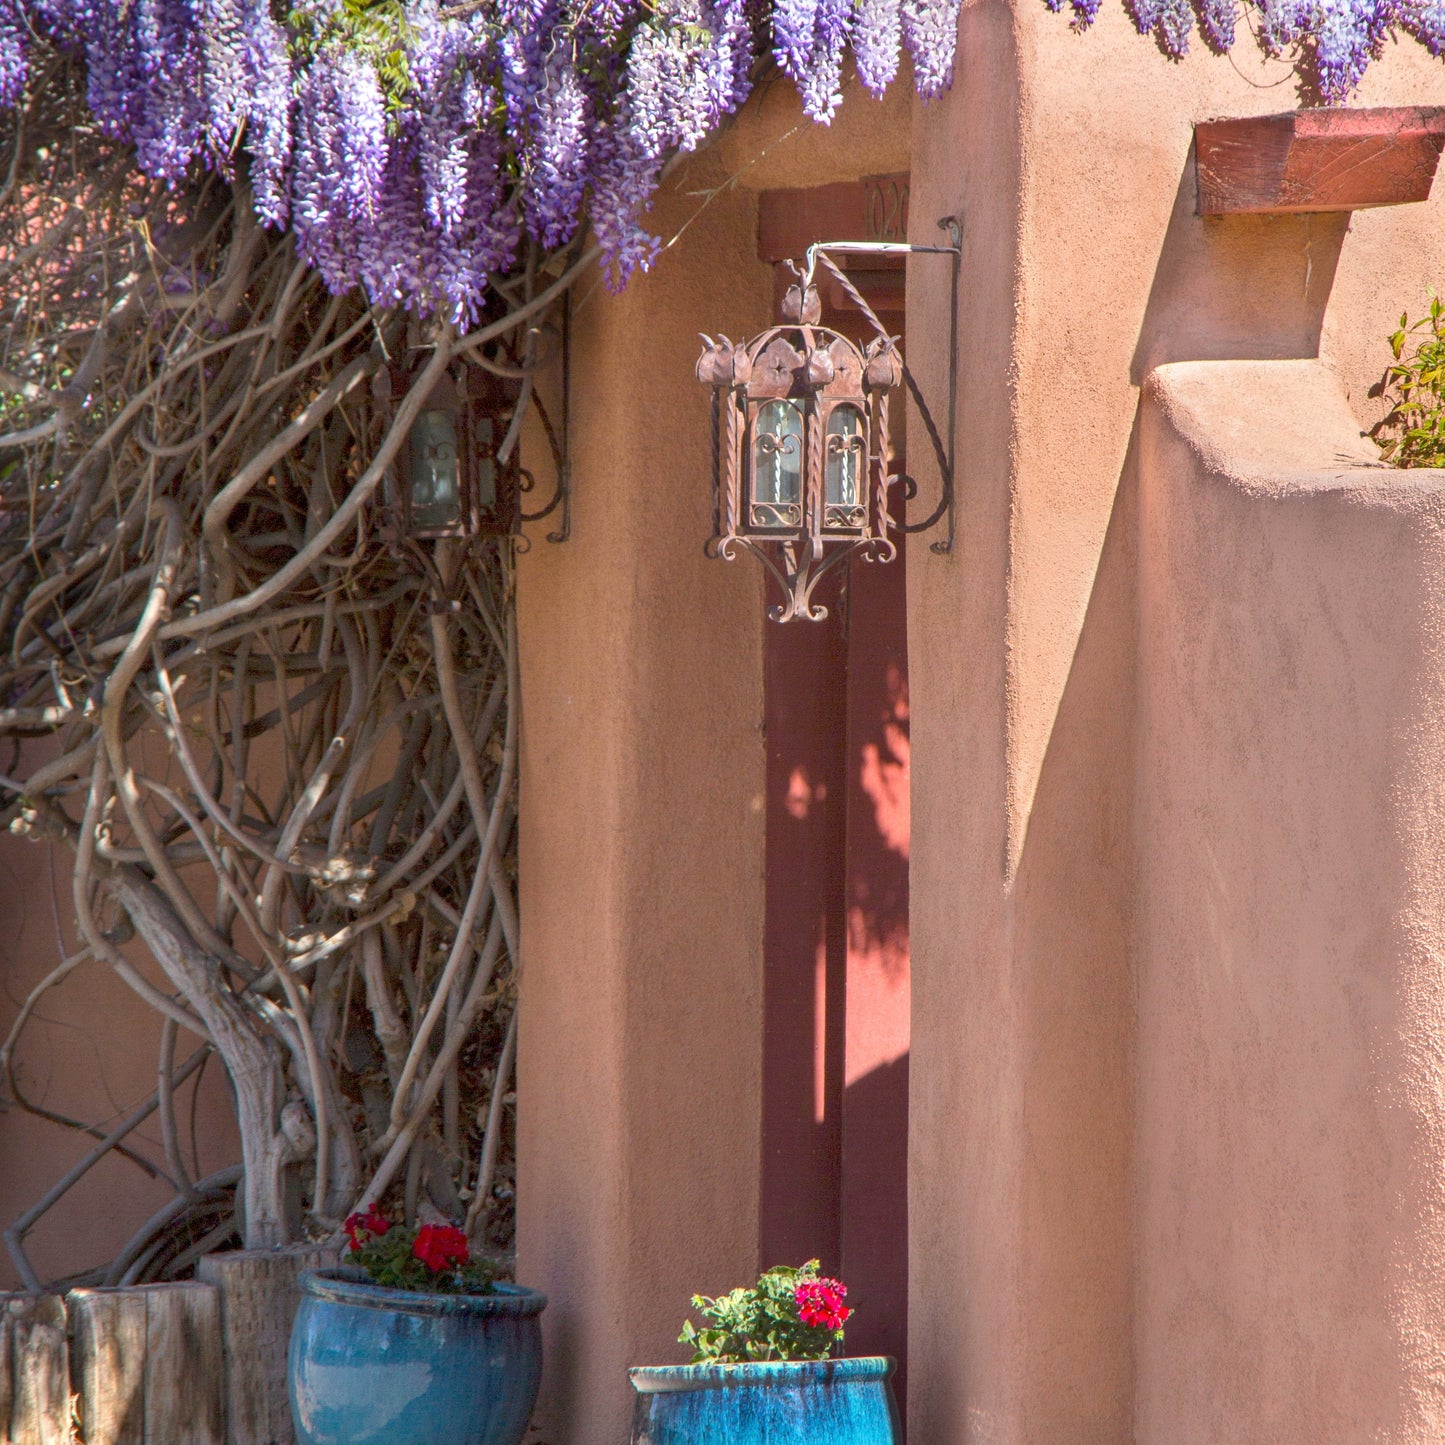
(34, 1370)
(147, 1364)
(259, 1297)
(108, 1363)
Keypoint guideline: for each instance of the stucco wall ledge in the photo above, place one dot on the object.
(1275, 428)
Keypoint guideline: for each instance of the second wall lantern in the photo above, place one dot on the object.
(448, 480)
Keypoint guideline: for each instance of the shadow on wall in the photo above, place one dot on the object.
(1238, 288)
(1072, 963)
(1224, 288)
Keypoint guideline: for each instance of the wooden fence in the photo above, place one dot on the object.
(201, 1362)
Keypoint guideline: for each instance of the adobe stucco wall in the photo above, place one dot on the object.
(1048, 1299)
(89, 1052)
(1291, 924)
(642, 802)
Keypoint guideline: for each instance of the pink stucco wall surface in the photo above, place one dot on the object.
(1291, 918)
(89, 1052)
(1043, 1259)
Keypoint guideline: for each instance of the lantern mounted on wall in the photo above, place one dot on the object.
(448, 479)
(457, 471)
(801, 474)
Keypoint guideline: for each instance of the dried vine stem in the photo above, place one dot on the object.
(281, 750)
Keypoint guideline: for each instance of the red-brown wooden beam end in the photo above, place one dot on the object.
(1318, 160)
(872, 209)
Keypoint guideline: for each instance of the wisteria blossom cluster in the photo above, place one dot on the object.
(412, 145)
(1332, 42)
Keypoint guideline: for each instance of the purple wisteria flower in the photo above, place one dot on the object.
(557, 173)
(794, 31)
(1425, 20)
(14, 42)
(221, 26)
(418, 181)
(269, 114)
(1348, 37)
(930, 28)
(168, 112)
(822, 84)
(1217, 21)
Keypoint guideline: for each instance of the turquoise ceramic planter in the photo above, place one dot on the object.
(374, 1366)
(823, 1402)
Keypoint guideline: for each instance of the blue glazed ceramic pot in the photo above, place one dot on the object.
(826, 1402)
(375, 1366)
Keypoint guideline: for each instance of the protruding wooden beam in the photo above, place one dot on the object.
(1318, 160)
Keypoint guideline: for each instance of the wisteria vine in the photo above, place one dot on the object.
(413, 147)
(1330, 42)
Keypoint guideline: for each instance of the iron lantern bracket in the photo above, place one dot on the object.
(945, 453)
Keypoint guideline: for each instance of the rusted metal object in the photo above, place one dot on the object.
(801, 455)
(449, 479)
(801, 417)
(1318, 160)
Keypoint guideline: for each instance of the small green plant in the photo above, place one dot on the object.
(790, 1314)
(1412, 433)
(435, 1258)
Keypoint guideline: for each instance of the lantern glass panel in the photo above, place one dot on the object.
(486, 468)
(777, 465)
(436, 493)
(846, 447)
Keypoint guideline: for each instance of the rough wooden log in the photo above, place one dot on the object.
(108, 1362)
(37, 1361)
(147, 1364)
(184, 1373)
(259, 1296)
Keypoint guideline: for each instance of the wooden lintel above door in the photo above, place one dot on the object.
(873, 208)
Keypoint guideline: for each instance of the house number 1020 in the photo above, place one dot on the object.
(887, 208)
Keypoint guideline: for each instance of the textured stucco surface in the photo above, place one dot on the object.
(1291, 925)
(1085, 267)
(642, 802)
(89, 1052)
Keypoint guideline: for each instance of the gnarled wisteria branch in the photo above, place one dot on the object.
(280, 756)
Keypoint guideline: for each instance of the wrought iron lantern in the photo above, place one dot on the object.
(801, 428)
(801, 456)
(449, 479)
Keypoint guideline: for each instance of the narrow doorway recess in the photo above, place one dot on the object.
(836, 996)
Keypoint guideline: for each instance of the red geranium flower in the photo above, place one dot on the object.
(362, 1227)
(439, 1246)
(820, 1303)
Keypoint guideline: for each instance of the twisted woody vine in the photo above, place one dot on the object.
(275, 744)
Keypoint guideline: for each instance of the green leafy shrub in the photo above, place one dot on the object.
(1412, 433)
(790, 1314)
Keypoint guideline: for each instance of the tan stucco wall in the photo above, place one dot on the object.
(89, 1052)
(1291, 1198)
(642, 801)
(1068, 157)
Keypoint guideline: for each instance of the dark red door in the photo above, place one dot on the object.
(836, 999)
